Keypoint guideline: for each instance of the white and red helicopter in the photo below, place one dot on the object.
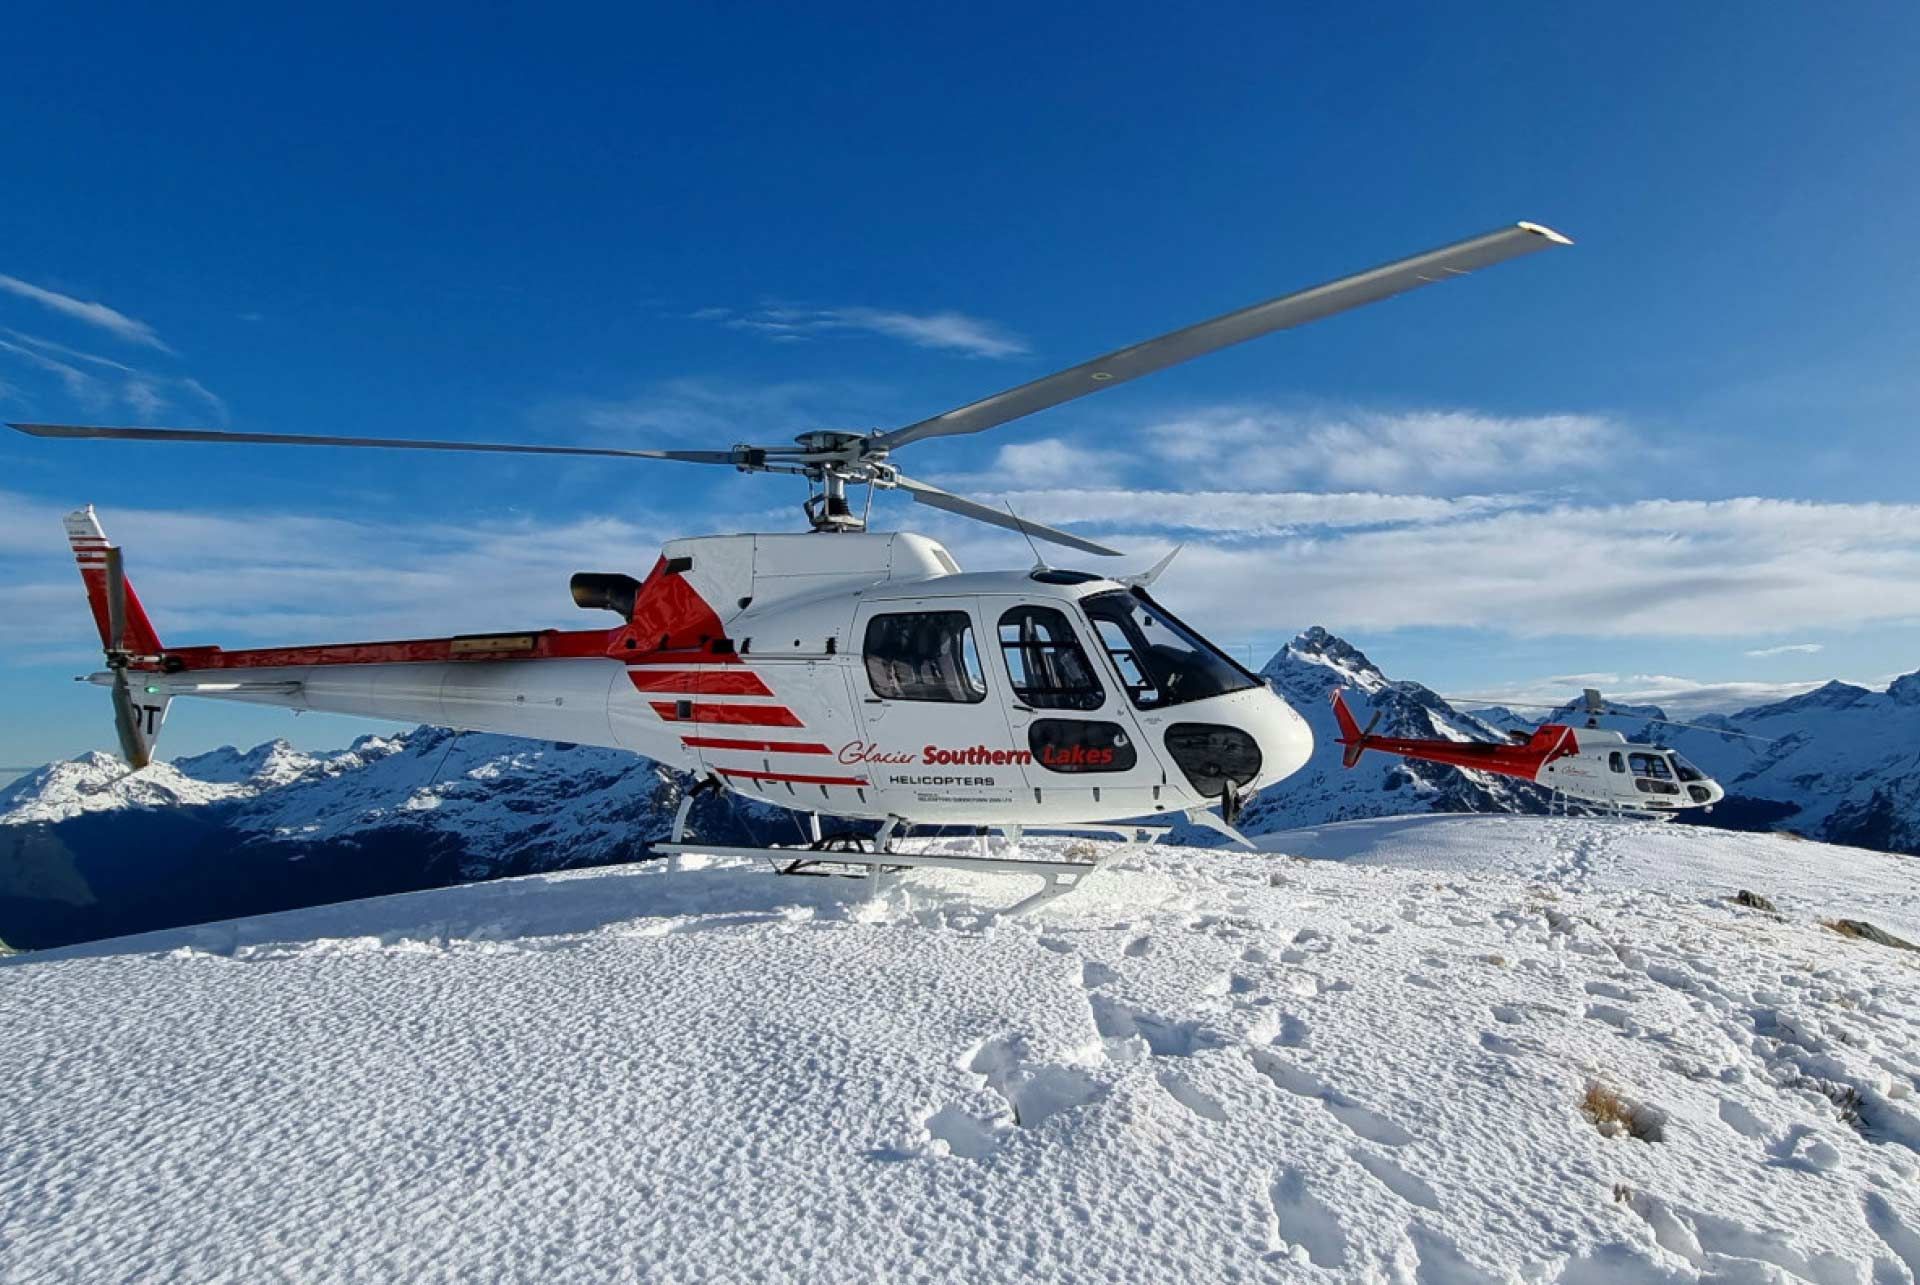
(837, 672)
(1591, 764)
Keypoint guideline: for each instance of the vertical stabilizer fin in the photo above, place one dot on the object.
(126, 635)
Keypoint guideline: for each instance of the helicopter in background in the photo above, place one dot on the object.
(1590, 764)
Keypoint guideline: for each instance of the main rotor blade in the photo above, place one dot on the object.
(116, 600)
(394, 443)
(939, 499)
(1282, 313)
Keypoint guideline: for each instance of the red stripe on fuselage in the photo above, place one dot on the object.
(757, 747)
(743, 715)
(737, 682)
(549, 644)
(795, 778)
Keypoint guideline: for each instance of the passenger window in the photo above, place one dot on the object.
(924, 656)
(1045, 662)
(1617, 761)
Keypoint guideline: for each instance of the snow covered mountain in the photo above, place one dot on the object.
(89, 850)
(1305, 671)
(1435, 1049)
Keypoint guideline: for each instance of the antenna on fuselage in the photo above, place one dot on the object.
(1039, 563)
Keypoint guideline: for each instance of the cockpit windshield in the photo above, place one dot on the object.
(1161, 661)
(1687, 771)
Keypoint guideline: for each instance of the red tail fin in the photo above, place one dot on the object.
(1350, 734)
(90, 551)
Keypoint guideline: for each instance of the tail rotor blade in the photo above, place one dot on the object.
(116, 602)
(1371, 724)
(126, 723)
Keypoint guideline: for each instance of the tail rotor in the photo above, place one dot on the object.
(126, 636)
(128, 719)
(1352, 735)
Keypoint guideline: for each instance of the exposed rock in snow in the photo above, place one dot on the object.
(1362, 1056)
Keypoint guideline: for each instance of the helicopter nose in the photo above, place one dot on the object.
(1286, 742)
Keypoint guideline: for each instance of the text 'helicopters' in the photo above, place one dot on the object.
(1592, 764)
(843, 672)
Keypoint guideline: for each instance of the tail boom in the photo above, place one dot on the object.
(1525, 762)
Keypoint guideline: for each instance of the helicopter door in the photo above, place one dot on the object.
(934, 735)
(1087, 760)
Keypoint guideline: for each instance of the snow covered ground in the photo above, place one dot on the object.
(1367, 1064)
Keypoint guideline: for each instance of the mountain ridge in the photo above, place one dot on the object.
(87, 849)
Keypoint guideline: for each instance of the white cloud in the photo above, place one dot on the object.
(1661, 568)
(950, 331)
(1427, 449)
(1680, 697)
(81, 386)
(266, 577)
(61, 350)
(718, 413)
(93, 314)
(108, 381)
(1049, 462)
(1241, 515)
(1788, 649)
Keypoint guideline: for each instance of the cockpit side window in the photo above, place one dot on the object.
(924, 656)
(1617, 761)
(1653, 765)
(1160, 661)
(1045, 661)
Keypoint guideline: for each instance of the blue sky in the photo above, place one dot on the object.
(1686, 440)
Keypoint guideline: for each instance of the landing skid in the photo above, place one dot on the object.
(1559, 804)
(883, 855)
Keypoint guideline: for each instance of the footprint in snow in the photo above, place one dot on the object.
(1505, 1047)
(1293, 1034)
(1024, 1095)
(1741, 1119)
(1618, 1018)
(1228, 984)
(1894, 1231)
(1093, 973)
(1440, 1261)
(1126, 1031)
(967, 1135)
(1139, 948)
(1361, 1120)
(1191, 1096)
(1410, 1187)
(1611, 991)
(1303, 1224)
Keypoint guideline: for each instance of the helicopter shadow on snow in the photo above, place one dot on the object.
(560, 911)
